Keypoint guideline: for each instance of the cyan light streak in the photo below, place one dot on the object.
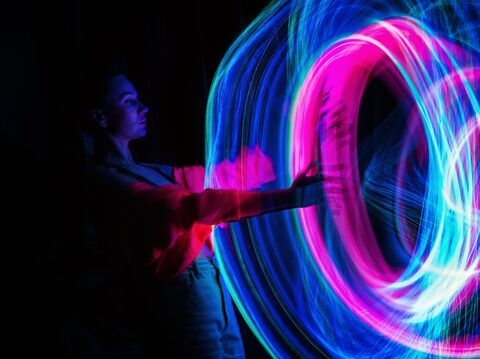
(318, 281)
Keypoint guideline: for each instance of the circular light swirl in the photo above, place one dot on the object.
(327, 280)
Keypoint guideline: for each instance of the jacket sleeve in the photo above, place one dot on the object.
(179, 221)
(191, 177)
(212, 206)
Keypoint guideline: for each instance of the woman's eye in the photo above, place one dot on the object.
(130, 102)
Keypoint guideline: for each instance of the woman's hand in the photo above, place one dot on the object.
(304, 179)
(308, 186)
(309, 190)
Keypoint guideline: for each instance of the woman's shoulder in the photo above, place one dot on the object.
(108, 176)
(166, 169)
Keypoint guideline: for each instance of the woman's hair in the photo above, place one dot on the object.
(96, 90)
(92, 93)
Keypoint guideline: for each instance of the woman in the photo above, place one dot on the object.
(155, 223)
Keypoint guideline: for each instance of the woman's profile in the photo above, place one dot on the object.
(151, 226)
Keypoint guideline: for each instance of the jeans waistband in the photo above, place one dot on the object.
(203, 264)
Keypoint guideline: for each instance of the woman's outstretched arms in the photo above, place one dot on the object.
(215, 206)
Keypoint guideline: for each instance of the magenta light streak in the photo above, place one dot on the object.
(401, 52)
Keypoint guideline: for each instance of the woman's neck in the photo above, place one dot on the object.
(122, 148)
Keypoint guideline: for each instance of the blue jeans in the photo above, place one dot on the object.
(192, 316)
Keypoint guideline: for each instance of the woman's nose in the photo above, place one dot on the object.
(142, 108)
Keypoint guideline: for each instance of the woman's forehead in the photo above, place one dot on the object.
(119, 86)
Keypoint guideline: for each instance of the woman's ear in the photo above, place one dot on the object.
(98, 117)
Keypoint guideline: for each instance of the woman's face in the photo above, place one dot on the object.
(124, 113)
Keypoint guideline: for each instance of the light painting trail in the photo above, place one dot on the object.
(328, 280)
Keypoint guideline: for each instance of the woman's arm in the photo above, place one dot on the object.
(215, 206)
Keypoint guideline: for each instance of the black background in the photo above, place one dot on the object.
(169, 50)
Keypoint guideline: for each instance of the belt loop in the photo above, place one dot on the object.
(215, 262)
(195, 270)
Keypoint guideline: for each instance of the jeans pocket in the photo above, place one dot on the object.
(183, 280)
